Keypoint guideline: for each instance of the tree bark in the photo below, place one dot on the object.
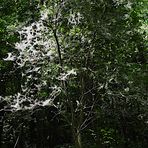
(77, 139)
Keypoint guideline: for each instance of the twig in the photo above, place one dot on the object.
(16, 141)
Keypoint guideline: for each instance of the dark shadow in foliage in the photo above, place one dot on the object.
(41, 127)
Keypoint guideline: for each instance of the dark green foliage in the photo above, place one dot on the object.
(111, 64)
(41, 127)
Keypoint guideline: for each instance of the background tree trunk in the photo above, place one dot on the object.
(77, 139)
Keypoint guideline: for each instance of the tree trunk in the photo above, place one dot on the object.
(77, 139)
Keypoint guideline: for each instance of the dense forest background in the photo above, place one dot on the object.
(73, 73)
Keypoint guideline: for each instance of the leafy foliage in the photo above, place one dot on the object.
(80, 68)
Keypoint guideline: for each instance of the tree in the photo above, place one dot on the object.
(81, 57)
